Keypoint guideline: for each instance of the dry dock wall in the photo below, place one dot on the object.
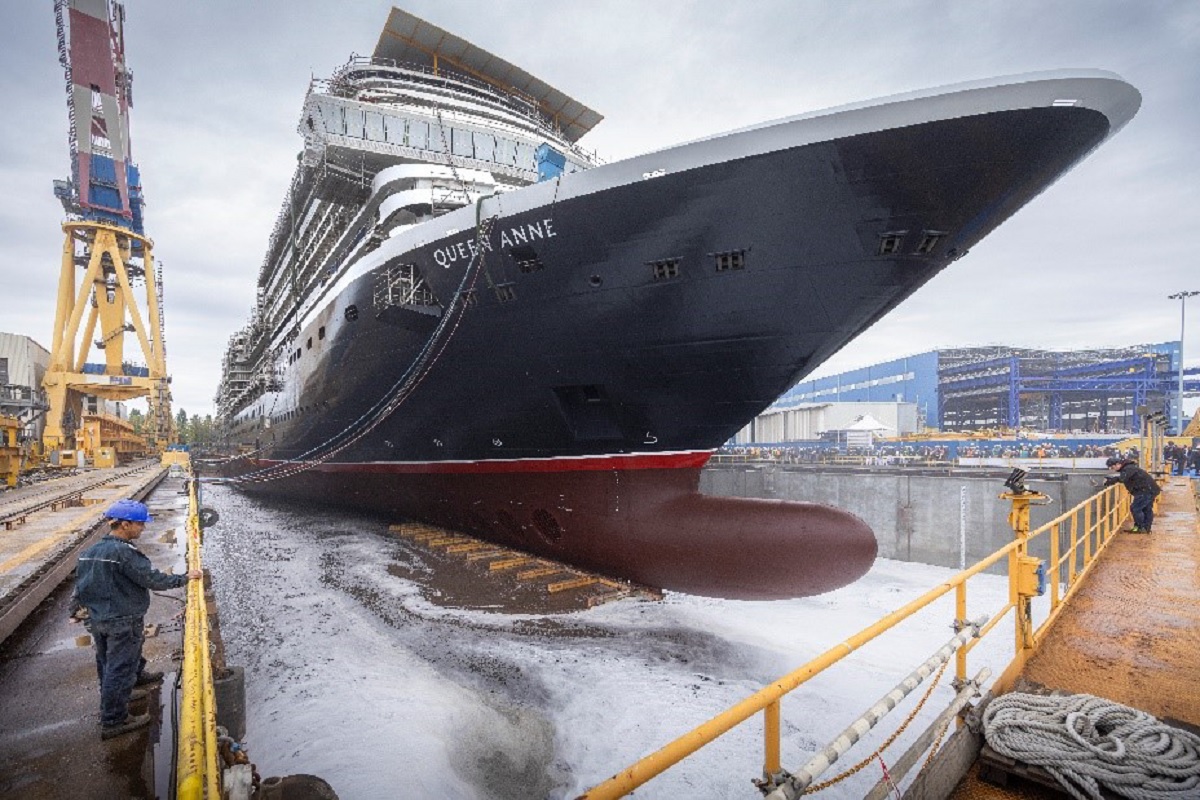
(915, 513)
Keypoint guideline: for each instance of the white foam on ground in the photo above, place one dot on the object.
(353, 676)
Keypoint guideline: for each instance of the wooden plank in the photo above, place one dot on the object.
(509, 563)
(540, 572)
(573, 583)
(467, 548)
(495, 552)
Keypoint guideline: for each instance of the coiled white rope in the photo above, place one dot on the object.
(1088, 743)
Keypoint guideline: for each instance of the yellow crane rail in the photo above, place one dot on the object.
(1076, 539)
(198, 776)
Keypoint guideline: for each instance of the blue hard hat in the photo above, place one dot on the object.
(130, 510)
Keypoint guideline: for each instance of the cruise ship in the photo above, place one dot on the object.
(466, 318)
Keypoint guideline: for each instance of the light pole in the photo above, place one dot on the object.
(1182, 298)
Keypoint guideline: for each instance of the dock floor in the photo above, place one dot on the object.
(50, 746)
(1132, 633)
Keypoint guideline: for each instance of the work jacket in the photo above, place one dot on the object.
(1136, 480)
(114, 579)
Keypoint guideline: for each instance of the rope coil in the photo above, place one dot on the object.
(1089, 744)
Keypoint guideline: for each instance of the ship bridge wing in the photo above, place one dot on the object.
(411, 40)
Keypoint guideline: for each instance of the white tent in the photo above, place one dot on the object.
(862, 432)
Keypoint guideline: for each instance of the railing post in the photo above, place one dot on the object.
(1074, 545)
(1018, 519)
(960, 618)
(1055, 530)
(1088, 522)
(771, 741)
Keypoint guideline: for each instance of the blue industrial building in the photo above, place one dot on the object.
(1097, 391)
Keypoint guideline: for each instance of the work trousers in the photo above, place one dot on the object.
(118, 663)
(1142, 508)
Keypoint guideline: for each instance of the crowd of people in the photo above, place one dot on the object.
(1180, 458)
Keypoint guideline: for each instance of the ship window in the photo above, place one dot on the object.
(309, 345)
(418, 134)
(439, 139)
(352, 313)
(485, 146)
(506, 293)
(733, 259)
(460, 143)
(506, 152)
(393, 130)
(665, 269)
(469, 298)
(929, 240)
(889, 243)
(354, 123)
(321, 332)
(526, 258)
(374, 126)
(525, 156)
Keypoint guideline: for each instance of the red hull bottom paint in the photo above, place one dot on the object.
(651, 526)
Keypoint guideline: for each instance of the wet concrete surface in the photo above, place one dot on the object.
(50, 746)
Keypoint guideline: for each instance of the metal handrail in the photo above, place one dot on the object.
(198, 774)
(1092, 525)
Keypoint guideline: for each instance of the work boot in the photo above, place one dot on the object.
(147, 678)
(140, 693)
(131, 723)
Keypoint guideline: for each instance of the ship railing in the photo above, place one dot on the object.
(1074, 541)
(198, 774)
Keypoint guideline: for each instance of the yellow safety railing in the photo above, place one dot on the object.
(198, 776)
(1076, 539)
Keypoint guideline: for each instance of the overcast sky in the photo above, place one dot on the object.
(218, 87)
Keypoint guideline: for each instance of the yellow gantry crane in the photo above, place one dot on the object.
(106, 255)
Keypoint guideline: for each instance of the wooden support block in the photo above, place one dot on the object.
(540, 572)
(467, 547)
(509, 563)
(442, 541)
(482, 554)
(573, 583)
(607, 597)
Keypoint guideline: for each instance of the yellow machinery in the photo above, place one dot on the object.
(105, 254)
(10, 451)
(105, 438)
(103, 305)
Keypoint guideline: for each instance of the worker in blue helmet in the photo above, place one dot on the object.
(112, 582)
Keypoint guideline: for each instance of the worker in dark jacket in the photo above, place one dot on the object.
(113, 581)
(1141, 485)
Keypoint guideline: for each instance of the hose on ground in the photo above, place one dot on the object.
(1089, 744)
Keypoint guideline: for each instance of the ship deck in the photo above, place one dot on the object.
(1132, 634)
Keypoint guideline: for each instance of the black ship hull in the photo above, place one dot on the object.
(596, 337)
